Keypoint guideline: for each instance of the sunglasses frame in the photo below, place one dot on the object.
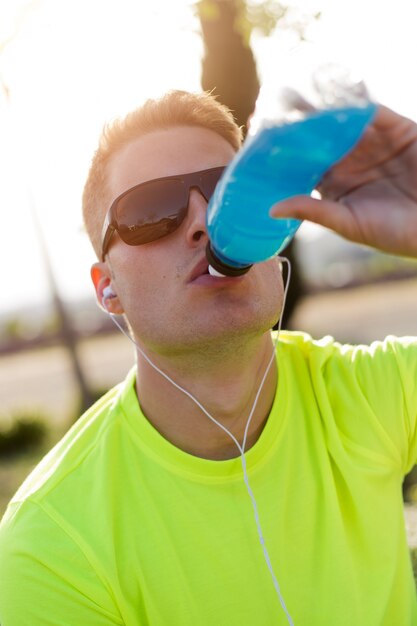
(111, 225)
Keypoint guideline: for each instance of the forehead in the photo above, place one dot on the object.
(166, 152)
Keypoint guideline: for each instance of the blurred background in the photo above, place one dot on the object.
(67, 68)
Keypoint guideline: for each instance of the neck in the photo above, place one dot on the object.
(225, 384)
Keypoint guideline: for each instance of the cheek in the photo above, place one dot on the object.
(143, 281)
(272, 279)
(273, 288)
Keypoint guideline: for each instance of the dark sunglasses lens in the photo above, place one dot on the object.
(151, 211)
(209, 181)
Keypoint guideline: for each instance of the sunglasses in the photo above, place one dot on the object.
(156, 208)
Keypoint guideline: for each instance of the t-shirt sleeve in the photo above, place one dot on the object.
(45, 578)
(373, 394)
(405, 354)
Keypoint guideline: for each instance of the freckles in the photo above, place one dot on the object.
(179, 270)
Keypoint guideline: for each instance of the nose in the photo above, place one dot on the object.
(195, 224)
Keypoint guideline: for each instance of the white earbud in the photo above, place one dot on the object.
(108, 293)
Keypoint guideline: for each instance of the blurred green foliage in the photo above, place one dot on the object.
(410, 487)
(22, 433)
(261, 16)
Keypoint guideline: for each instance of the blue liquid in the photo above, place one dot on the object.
(277, 163)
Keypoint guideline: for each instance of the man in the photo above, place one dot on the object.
(141, 515)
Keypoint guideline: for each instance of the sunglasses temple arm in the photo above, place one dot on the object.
(108, 230)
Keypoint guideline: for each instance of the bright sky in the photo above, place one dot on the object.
(73, 65)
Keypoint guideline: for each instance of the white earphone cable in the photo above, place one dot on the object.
(240, 447)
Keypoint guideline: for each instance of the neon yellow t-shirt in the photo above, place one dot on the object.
(118, 526)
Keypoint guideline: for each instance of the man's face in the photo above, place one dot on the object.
(170, 300)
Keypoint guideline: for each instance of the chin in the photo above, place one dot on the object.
(215, 326)
(234, 329)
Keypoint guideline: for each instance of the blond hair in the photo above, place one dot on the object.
(176, 108)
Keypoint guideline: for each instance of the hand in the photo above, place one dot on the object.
(370, 197)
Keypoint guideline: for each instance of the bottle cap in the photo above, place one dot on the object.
(222, 268)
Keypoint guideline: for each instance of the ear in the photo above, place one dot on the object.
(101, 277)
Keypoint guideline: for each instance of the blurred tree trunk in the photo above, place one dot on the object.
(229, 71)
(67, 333)
(228, 67)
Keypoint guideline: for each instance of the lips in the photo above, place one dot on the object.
(200, 276)
(199, 270)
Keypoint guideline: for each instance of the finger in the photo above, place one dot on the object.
(333, 215)
(387, 119)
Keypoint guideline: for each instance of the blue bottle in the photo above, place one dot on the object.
(278, 162)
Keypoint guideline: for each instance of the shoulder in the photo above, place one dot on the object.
(366, 395)
(327, 350)
(377, 369)
(83, 440)
(299, 347)
(51, 532)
